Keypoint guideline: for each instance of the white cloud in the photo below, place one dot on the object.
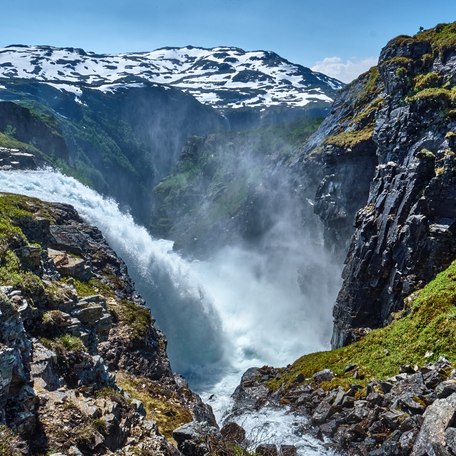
(346, 70)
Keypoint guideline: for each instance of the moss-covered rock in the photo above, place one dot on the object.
(69, 336)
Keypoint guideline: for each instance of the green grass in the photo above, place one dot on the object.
(441, 37)
(162, 404)
(92, 287)
(435, 96)
(430, 326)
(427, 80)
(11, 143)
(65, 343)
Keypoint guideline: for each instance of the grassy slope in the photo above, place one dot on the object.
(427, 324)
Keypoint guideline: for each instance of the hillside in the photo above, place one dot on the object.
(75, 337)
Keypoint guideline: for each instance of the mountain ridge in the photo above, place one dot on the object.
(223, 77)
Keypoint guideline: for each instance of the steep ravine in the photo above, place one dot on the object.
(220, 316)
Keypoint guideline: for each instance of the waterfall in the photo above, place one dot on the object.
(239, 309)
(176, 298)
(242, 308)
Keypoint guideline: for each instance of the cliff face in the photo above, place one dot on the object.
(388, 149)
(83, 370)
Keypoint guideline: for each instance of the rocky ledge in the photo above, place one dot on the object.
(413, 412)
(12, 159)
(83, 370)
(393, 392)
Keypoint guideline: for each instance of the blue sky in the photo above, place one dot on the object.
(342, 37)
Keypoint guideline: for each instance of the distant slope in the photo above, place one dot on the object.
(122, 142)
(222, 77)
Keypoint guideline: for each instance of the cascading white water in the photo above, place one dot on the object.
(242, 308)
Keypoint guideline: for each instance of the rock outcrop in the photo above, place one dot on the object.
(387, 152)
(83, 370)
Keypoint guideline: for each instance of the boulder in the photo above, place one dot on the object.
(445, 389)
(232, 432)
(323, 376)
(288, 450)
(266, 449)
(437, 419)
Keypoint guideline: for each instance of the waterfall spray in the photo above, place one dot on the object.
(241, 308)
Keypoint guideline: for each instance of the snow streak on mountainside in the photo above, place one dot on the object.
(223, 77)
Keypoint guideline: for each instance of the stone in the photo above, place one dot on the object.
(445, 389)
(139, 407)
(266, 449)
(393, 419)
(322, 412)
(193, 431)
(288, 450)
(406, 441)
(437, 419)
(450, 439)
(68, 265)
(329, 428)
(323, 376)
(90, 314)
(42, 368)
(409, 404)
(232, 432)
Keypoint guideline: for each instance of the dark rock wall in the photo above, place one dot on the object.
(387, 159)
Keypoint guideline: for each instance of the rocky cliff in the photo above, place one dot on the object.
(83, 370)
(393, 392)
(387, 157)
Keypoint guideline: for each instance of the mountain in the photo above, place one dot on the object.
(119, 122)
(222, 77)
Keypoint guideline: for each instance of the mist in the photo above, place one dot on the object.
(249, 304)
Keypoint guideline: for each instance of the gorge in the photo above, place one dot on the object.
(261, 219)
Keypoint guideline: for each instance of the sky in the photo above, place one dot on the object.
(339, 38)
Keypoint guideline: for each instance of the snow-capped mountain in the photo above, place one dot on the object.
(223, 77)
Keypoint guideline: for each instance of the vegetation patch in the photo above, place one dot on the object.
(427, 326)
(7, 141)
(366, 116)
(9, 442)
(92, 287)
(350, 139)
(435, 96)
(138, 319)
(442, 37)
(65, 343)
(161, 403)
(427, 80)
(370, 88)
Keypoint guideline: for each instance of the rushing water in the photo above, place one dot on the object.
(240, 309)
